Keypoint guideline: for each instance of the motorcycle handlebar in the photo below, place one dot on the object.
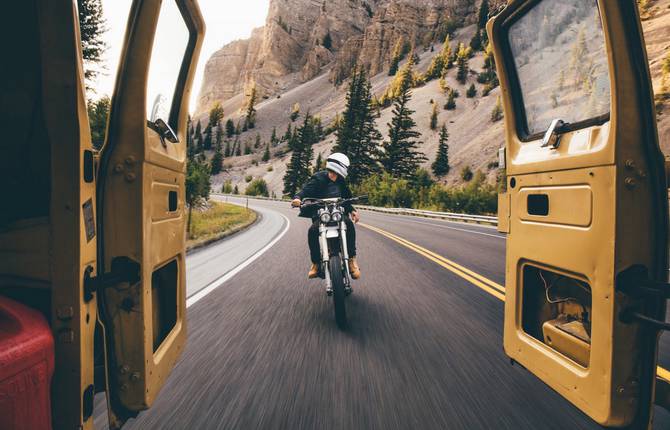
(320, 202)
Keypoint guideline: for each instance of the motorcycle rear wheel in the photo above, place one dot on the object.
(339, 293)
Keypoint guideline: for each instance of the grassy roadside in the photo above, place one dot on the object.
(218, 221)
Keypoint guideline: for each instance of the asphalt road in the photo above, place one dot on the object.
(424, 350)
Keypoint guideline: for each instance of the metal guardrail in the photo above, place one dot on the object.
(450, 216)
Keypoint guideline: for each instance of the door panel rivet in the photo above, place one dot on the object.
(630, 183)
(630, 164)
(130, 177)
(118, 168)
(135, 376)
(130, 160)
(124, 369)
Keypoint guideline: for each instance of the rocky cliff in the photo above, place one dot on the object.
(304, 38)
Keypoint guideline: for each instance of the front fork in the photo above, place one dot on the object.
(325, 255)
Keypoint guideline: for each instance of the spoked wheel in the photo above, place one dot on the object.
(338, 291)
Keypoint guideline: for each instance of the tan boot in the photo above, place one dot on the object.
(354, 269)
(313, 271)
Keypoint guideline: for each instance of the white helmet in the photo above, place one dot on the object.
(338, 163)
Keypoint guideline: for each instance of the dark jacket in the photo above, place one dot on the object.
(320, 186)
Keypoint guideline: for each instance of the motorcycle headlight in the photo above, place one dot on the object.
(336, 216)
(325, 217)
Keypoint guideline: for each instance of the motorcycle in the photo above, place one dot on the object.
(334, 266)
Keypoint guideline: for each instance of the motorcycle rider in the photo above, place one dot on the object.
(329, 183)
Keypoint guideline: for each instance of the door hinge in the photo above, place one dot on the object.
(635, 283)
(124, 270)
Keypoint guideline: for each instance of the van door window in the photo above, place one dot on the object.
(562, 69)
(170, 43)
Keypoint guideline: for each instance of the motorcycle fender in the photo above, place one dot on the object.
(332, 232)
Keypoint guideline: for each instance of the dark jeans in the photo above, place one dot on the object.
(313, 240)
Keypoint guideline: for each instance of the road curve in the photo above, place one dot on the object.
(424, 350)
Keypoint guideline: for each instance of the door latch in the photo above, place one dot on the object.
(124, 270)
(635, 282)
(552, 137)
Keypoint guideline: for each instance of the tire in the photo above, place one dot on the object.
(338, 291)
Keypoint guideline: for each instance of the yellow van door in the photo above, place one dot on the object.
(141, 202)
(588, 206)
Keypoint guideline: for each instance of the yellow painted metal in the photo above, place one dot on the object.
(503, 212)
(557, 334)
(571, 205)
(606, 215)
(137, 173)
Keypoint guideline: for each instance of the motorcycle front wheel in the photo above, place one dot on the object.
(339, 293)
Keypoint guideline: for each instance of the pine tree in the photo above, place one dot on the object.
(238, 147)
(289, 133)
(471, 92)
(319, 164)
(217, 161)
(440, 63)
(198, 132)
(230, 128)
(483, 15)
(207, 143)
(433, 117)
(497, 112)
(327, 41)
(295, 112)
(462, 59)
(215, 115)
(441, 164)
(396, 57)
(92, 26)
(400, 158)
(197, 185)
(247, 148)
(257, 143)
(451, 100)
(298, 169)
(98, 111)
(489, 76)
(357, 135)
(273, 138)
(227, 152)
(250, 120)
(218, 139)
(266, 154)
(476, 41)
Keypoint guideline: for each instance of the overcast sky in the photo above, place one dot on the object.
(226, 21)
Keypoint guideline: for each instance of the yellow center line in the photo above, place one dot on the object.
(423, 250)
(476, 279)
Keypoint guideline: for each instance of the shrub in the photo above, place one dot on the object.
(248, 178)
(270, 168)
(227, 187)
(466, 173)
(497, 112)
(477, 197)
(258, 188)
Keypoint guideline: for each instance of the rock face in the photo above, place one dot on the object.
(304, 38)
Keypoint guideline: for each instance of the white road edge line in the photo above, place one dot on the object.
(218, 282)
